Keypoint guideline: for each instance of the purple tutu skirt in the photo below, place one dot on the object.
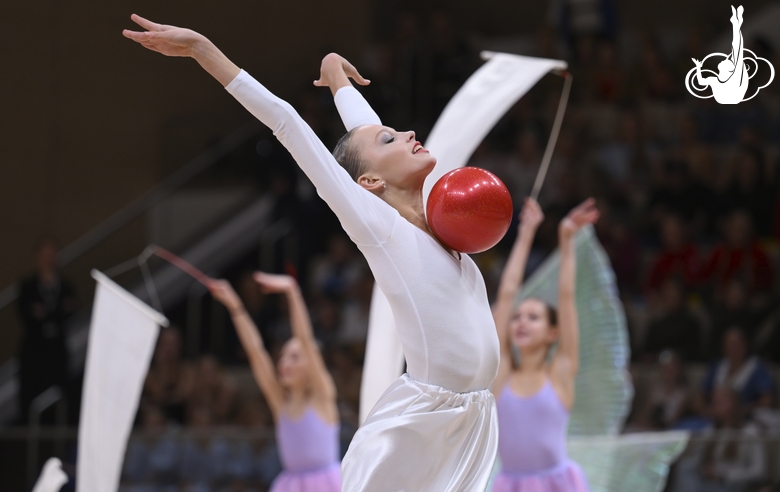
(567, 477)
(323, 480)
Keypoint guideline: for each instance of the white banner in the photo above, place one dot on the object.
(122, 336)
(485, 97)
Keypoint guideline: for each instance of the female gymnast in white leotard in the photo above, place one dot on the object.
(435, 428)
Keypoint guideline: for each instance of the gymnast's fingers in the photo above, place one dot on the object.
(140, 37)
(146, 23)
(352, 72)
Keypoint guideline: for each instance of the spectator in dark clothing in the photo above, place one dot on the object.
(741, 257)
(669, 396)
(735, 310)
(676, 329)
(45, 302)
(741, 372)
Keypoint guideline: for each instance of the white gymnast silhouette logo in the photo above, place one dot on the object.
(730, 84)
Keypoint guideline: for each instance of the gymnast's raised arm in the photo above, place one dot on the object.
(176, 41)
(335, 72)
(364, 216)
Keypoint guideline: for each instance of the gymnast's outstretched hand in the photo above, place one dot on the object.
(335, 72)
(168, 40)
(178, 41)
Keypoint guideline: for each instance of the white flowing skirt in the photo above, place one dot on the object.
(424, 438)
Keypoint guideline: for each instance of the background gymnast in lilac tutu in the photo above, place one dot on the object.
(535, 395)
(301, 394)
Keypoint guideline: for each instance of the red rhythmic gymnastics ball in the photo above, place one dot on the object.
(469, 210)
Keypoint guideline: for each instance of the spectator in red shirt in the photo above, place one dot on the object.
(740, 257)
(678, 258)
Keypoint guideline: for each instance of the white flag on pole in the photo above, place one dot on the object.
(485, 97)
(122, 336)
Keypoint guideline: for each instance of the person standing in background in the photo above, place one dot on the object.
(46, 301)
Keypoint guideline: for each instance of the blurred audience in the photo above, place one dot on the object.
(740, 372)
(355, 311)
(739, 256)
(678, 259)
(334, 276)
(670, 399)
(347, 373)
(667, 400)
(732, 460)
(167, 384)
(152, 460)
(675, 326)
(212, 394)
(734, 310)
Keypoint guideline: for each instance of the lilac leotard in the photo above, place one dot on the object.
(309, 450)
(532, 444)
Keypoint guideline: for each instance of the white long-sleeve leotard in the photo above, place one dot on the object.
(354, 109)
(439, 303)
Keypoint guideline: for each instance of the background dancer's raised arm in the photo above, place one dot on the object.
(565, 363)
(511, 282)
(260, 360)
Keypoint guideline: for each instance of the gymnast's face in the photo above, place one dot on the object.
(530, 328)
(395, 158)
(293, 365)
